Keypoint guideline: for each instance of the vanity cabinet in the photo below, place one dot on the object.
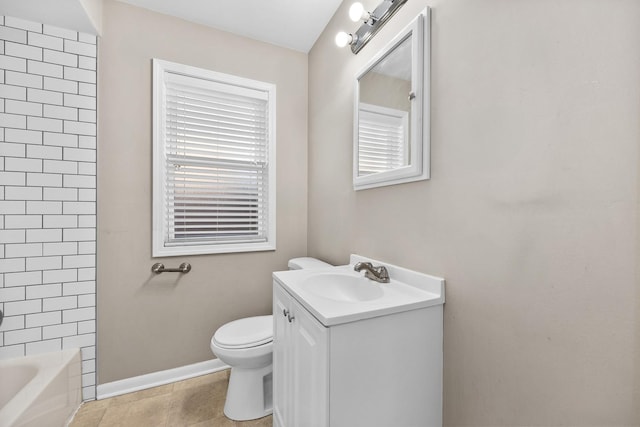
(300, 360)
(376, 372)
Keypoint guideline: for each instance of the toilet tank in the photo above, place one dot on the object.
(307, 262)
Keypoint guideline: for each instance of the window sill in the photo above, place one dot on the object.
(165, 251)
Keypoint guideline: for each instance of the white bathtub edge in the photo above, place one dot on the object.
(72, 416)
(27, 406)
(154, 379)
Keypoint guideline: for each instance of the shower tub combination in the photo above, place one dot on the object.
(42, 390)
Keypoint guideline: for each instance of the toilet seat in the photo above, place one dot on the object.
(245, 333)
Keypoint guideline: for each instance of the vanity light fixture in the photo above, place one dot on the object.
(373, 21)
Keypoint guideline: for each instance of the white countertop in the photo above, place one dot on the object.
(407, 290)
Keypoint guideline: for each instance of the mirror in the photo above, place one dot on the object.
(391, 144)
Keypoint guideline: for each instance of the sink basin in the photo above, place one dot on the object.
(343, 287)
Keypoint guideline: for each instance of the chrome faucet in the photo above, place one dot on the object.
(378, 274)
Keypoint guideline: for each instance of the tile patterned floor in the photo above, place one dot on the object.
(195, 402)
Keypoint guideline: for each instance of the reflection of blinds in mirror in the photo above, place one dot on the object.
(216, 162)
(382, 139)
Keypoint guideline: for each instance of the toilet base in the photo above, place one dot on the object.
(250, 393)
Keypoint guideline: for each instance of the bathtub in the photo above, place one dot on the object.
(43, 390)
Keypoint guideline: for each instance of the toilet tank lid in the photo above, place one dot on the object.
(307, 262)
(247, 332)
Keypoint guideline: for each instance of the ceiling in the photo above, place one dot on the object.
(77, 15)
(295, 24)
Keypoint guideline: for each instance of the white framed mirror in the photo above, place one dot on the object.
(391, 114)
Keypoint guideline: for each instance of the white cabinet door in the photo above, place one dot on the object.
(300, 365)
(282, 353)
(310, 369)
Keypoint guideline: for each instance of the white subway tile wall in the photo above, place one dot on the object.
(48, 192)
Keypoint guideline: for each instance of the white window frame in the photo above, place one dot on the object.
(393, 118)
(159, 204)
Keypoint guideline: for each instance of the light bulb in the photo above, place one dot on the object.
(357, 12)
(343, 39)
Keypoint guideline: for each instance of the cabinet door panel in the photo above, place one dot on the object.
(282, 400)
(310, 371)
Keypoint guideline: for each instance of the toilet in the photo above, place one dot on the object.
(247, 346)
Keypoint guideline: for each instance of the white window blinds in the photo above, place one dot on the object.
(216, 185)
(382, 139)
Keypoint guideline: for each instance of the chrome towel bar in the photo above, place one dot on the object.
(158, 268)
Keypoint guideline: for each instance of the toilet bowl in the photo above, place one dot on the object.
(246, 345)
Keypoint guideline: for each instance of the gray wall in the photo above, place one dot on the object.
(531, 214)
(146, 323)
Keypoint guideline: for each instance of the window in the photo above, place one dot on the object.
(382, 139)
(214, 162)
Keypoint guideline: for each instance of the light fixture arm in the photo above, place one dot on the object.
(377, 19)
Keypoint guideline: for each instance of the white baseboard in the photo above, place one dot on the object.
(155, 379)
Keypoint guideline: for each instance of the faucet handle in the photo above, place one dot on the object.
(362, 264)
(382, 273)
